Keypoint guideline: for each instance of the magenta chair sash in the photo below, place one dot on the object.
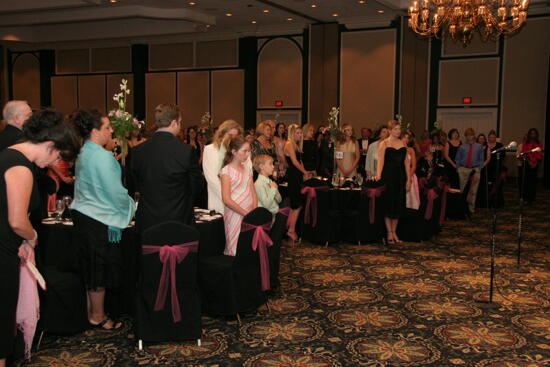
(260, 241)
(431, 195)
(373, 193)
(310, 213)
(286, 212)
(169, 257)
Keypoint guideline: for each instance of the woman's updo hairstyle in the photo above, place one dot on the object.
(47, 125)
(232, 143)
(85, 121)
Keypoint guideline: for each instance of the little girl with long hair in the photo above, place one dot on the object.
(238, 193)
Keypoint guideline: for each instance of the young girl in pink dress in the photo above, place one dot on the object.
(238, 193)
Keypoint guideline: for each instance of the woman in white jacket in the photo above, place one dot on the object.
(212, 160)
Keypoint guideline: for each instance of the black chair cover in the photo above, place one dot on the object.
(326, 228)
(277, 233)
(365, 231)
(157, 326)
(232, 284)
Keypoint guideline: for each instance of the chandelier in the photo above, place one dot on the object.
(460, 18)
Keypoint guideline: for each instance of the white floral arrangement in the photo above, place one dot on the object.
(122, 121)
(334, 124)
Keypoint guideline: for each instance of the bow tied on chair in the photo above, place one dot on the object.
(170, 256)
(431, 195)
(373, 193)
(310, 212)
(286, 212)
(260, 241)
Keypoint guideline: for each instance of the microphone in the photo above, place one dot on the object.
(534, 150)
(511, 145)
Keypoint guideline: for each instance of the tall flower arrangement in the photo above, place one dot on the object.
(334, 124)
(206, 127)
(122, 122)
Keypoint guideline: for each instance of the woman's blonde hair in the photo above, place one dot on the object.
(342, 138)
(260, 128)
(308, 127)
(290, 137)
(226, 126)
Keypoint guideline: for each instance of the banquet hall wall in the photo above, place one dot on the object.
(372, 74)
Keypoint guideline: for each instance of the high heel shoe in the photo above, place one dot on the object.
(293, 237)
(390, 240)
(396, 239)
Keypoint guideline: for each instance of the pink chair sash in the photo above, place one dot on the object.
(310, 212)
(373, 193)
(169, 257)
(260, 241)
(286, 212)
(28, 307)
(431, 196)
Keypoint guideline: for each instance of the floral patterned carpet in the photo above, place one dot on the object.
(412, 304)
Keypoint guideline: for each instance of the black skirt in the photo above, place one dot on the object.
(99, 259)
(9, 294)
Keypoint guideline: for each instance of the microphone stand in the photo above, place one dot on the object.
(521, 202)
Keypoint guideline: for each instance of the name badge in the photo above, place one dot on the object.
(339, 155)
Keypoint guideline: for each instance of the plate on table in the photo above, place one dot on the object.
(199, 210)
(67, 223)
(357, 189)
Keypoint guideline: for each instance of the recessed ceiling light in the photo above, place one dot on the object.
(192, 3)
(361, 1)
(380, 11)
(228, 14)
(335, 14)
(113, 1)
(289, 19)
(265, 11)
(253, 22)
(313, 5)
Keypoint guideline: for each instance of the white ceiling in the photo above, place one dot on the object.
(67, 21)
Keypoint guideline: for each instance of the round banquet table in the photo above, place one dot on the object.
(57, 247)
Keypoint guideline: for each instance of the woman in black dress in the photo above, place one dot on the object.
(46, 138)
(295, 175)
(394, 170)
(193, 140)
(449, 154)
(263, 145)
(311, 149)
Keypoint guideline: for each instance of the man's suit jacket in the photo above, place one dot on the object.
(166, 173)
(9, 136)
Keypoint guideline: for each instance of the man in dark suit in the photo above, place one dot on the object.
(15, 114)
(166, 173)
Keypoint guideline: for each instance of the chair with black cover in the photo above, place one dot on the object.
(232, 285)
(369, 223)
(319, 225)
(168, 304)
(418, 225)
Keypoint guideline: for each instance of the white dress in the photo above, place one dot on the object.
(413, 195)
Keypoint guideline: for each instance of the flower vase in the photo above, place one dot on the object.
(123, 150)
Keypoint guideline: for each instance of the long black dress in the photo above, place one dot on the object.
(311, 155)
(451, 171)
(394, 177)
(294, 178)
(9, 246)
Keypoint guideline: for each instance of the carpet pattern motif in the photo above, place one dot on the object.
(411, 304)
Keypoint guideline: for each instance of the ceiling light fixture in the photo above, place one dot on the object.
(113, 1)
(228, 15)
(192, 3)
(265, 11)
(253, 22)
(335, 14)
(313, 5)
(380, 11)
(361, 1)
(289, 19)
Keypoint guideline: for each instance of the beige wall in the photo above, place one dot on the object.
(159, 88)
(280, 74)
(26, 79)
(367, 77)
(323, 71)
(415, 63)
(227, 96)
(193, 96)
(525, 81)
(64, 94)
(91, 92)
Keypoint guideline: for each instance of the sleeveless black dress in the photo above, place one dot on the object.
(295, 178)
(451, 171)
(9, 246)
(394, 177)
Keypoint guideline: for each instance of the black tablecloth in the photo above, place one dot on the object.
(57, 247)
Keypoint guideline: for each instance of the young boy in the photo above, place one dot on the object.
(266, 190)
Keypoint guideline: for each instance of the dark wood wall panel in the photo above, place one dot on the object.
(91, 92)
(159, 88)
(64, 93)
(26, 79)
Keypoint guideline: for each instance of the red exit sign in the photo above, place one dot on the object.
(466, 100)
(278, 103)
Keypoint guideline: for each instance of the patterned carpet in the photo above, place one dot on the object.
(412, 304)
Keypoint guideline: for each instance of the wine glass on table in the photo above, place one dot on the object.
(59, 209)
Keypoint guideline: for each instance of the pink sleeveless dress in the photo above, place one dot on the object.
(241, 193)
